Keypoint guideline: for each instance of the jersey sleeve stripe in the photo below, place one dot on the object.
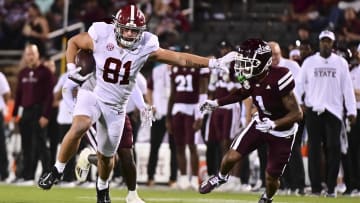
(204, 71)
(284, 78)
(282, 86)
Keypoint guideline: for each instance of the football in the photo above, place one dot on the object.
(85, 60)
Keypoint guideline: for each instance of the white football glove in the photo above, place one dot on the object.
(265, 125)
(223, 63)
(75, 75)
(208, 106)
(147, 116)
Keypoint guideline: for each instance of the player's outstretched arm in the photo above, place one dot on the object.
(235, 96)
(192, 60)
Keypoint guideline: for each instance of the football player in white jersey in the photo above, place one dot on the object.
(120, 50)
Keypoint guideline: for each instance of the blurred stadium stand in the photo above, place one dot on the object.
(247, 18)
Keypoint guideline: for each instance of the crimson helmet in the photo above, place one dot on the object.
(129, 18)
(253, 59)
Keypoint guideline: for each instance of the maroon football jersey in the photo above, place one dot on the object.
(223, 83)
(267, 94)
(186, 81)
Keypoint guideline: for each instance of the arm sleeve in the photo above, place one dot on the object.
(60, 83)
(49, 96)
(67, 93)
(18, 95)
(286, 83)
(299, 90)
(137, 97)
(348, 92)
(233, 97)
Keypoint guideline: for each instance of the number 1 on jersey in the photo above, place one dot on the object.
(111, 75)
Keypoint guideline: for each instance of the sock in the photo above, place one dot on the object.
(132, 193)
(60, 166)
(102, 184)
(222, 176)
(194, 178)
(266, 197)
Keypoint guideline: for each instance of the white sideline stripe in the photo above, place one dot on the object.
(206, 200)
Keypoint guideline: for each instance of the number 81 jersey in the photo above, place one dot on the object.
(116, 67)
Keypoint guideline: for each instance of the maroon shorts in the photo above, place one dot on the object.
(279, 148)
(220, 124)
(127, 137)
(182, 127)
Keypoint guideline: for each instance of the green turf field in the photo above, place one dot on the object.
(22, 194)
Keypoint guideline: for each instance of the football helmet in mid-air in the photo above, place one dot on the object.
(254, 57)
(129, 19)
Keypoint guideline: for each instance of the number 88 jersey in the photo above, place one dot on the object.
(116, 67)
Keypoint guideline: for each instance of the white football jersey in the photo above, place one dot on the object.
(116, 67)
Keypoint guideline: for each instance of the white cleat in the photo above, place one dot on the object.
(183, 182)
(194, 183)
(133, 197)
(83, 165)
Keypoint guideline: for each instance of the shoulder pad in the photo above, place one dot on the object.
(100, 30)
(150, 43)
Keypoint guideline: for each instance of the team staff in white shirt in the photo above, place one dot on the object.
(326, 85)
(4, 97)
(353, 136)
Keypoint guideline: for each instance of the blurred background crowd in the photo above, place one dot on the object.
(210, 28)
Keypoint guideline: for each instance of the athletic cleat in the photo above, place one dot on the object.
(133, 197)
(264, 199)
(103, 196)
(212, 183)
(83, 165)
(47, 180)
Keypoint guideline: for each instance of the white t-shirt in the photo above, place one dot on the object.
(355, 77)
(4, 88)
(291, 65)
(161, 89)
(116, 67)
(327, 85)
(141, 83)
(65, 113)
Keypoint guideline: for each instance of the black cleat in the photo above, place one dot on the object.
(47, 180)
(103, 196)
(212, 183)
(263, 199)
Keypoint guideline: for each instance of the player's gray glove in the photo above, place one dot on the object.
(265, 125)
(208, 106)
(147, 116)
(223, 63)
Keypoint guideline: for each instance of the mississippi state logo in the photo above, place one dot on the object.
(110, 47)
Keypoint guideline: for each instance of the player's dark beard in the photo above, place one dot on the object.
(325, 53)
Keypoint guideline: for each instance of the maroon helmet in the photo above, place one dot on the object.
(253, 59)
(129, 18)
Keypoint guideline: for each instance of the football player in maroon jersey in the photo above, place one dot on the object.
(271, 89)
(183, 120)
